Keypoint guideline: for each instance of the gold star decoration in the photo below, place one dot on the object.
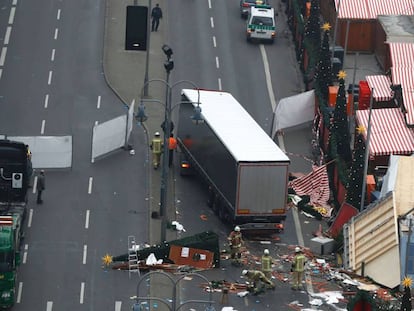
(407, 282)
(326, 27)
(361, 129)
(341, 74)
(106, 260)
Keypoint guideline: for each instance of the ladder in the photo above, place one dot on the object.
(133, 263)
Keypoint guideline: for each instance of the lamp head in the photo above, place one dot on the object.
(167, 50)
(197, 117)
(169, 65)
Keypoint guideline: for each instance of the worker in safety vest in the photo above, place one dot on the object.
(298, 267)
(156, 147)
(172, 145)
(256, 279)
(267, 261)
(235, 242)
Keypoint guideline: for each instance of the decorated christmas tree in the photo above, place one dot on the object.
(406, 299)
(356, 174)
(324, 68)
(340, 137)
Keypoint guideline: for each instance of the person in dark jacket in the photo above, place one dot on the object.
(40, 186)
(156, 15)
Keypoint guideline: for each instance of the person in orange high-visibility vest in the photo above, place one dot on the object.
(172, 145)
(156, 147)
(298, 267)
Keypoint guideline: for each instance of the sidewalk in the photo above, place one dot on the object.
(124, 72)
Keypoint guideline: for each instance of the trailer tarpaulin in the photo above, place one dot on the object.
(294, 110)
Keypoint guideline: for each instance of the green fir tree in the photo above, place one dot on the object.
(340, 128)
(323, 74)
(406, 299)
(356, 175)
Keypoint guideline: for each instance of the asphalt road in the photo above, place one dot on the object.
(52, 83)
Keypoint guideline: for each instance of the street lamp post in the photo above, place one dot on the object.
(168, 65)
(148, 49)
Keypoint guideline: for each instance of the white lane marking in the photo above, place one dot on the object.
(35, 184)
(87, 219)
(52, 57)
(85, 252)
(14, 2)
(209, 4)
(19, 292)
(214, 41)
(96, 123)
(217, 62)
(29, 222)
(42, 129)
(219, 84)
(98, 104)
(268, 77)
(212, 22)
(49, 306)
(46, 100)
(11, 16)
(118, 305)
(3, 56)
(7, 35)
(49, 80)
(82, 292)
(58, 15)
(90, 185)
(26, 248)
(56, 34)
(1, 72)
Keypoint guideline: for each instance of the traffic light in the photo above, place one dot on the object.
(136, 28)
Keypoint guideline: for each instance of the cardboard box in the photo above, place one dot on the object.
(322, 245)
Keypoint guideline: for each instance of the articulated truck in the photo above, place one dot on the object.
(15, 174)
(245, 171)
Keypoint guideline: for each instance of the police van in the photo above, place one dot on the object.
(261, 24)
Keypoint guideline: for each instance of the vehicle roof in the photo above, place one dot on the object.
(244, 138)
(262, 11)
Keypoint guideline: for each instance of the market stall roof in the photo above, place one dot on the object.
(381, 85)
(370, 9)
(402, 72)
(389, 133)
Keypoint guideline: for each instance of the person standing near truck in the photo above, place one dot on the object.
(41, 186)
(298, 267)
(267, 261)
(156, 147)
(235, 241)
(172, 145)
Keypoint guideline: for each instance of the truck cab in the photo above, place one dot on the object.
(261, 24)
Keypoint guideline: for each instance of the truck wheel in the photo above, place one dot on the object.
(222, 214)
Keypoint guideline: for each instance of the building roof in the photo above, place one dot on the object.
(381, 85)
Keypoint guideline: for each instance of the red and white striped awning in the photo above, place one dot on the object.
(370, 9)
(389, 133)
(402, 54)
(381, 85)
(402, 72)
(390, 7)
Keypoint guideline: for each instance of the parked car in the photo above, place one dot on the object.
(246, 4)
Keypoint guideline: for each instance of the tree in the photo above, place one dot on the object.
(340, 136)
(406, 299)
(356, 175)
(323, 73)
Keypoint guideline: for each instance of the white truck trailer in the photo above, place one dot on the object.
(245, 171)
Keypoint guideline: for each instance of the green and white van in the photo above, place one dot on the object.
(261, 24)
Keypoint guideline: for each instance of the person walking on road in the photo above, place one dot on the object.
(156, 147)
(235, 240)
(298, 267)
(267, 261)
(40, 186)
(172, 145)
(156, 15)
(256, 277)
